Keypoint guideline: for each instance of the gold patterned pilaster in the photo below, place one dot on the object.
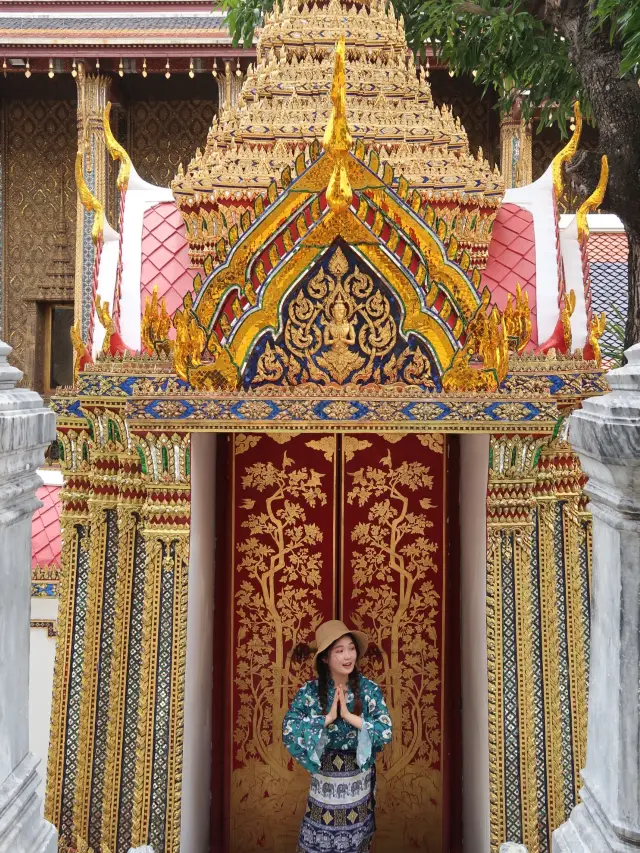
(179, 655)
(495, 691)
(516, 158)
(167, 552)
(93, 93)
(71, 521)
(146, 708)
(576, 524)
(524, 631)
(127, 518)
(86, 733)
(551, 660)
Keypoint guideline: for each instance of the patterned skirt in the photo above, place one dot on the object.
(340, 815)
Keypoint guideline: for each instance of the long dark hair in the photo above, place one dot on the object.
(302, 651)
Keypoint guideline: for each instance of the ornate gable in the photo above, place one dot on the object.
(245, 308)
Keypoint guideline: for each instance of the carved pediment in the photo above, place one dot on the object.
(342, 324)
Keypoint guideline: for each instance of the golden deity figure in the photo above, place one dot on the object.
(340, 334)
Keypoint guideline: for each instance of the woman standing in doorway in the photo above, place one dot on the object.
(335, 726)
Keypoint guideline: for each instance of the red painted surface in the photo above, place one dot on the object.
(46, 538)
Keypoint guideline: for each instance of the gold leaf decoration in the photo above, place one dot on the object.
(326, 445)
(244, 442)
(351, 445)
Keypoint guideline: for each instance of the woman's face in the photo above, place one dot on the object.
(342, 657)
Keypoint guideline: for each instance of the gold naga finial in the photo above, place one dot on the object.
(596, 331)
(567, 153)
(190, 343)
(80, 349)
(89, 201)
(155, 325)
(517, 320)
(116, 150)
(566, 312)
(595, 199)
(487, 338)
(106, 321)
(337, 136)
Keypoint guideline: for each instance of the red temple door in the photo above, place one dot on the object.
(322, 526)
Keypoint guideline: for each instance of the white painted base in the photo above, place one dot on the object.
(589, 831)
(22, 828)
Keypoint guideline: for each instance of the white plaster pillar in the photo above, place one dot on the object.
(27, 427)
(606, 435)
(474, 467)
(196, 761)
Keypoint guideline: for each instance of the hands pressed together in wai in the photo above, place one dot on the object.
(339, 709)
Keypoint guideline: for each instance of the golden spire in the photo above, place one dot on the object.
(89, 201)
(595, 199)
(337, 137)
(116, 150)
(567, 153)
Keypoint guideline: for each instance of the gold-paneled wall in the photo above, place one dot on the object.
(164, 134)
(39, 142)
(38, 195)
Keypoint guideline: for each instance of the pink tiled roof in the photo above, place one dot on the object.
(46, 539)
(512, 259)
(165, 257)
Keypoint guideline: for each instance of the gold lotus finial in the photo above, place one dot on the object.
(89, 201)
(568, 152)
(116, 150)
(595, 199)
(337, 136)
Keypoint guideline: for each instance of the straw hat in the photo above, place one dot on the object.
(330, 631)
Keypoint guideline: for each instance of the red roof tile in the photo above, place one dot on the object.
(512, 259)
(165, 257)
(46, 538)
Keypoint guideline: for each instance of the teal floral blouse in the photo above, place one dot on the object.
(306, 737)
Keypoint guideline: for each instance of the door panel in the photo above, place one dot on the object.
(326, 526)
(393, 587)
(283, 586)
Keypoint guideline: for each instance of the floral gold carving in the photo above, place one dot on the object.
(396, 568)
(277, 603)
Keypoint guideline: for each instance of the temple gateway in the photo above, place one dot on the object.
(346, 401)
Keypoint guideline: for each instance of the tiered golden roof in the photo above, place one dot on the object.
(284, 105)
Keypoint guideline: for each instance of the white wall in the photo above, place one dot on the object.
(41, 659)
(196, 769)
(474, 468)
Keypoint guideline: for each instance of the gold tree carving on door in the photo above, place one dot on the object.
(396, 577)
(278, 595)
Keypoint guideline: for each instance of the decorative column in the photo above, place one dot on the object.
(26, 430)
(93, 92)
(606, 435)
(515, 149)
